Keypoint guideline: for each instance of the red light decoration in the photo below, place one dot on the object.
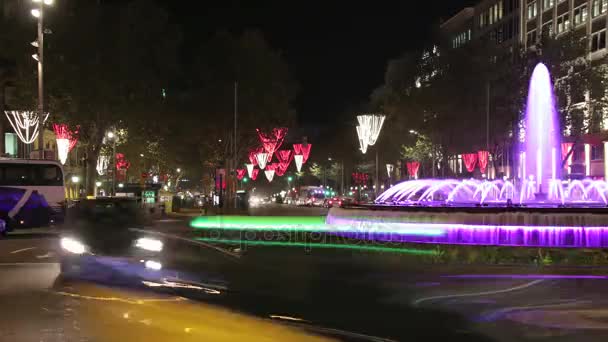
(240, 173)
(254, 174)
(483, 157)
(273, 141)
(303, 150)
(470, 159)
(63, 132)
(121, 162)
(285, 157)
(412, 168)
(360, 178)
(252, 155)
(272, 166)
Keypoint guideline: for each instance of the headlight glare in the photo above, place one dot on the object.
(72, 245)
(149, 244)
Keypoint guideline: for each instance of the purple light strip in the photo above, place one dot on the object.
(526, 276)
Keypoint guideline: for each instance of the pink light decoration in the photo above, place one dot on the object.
(262, 159)
(483, 157)
(303, 150)
(240, 173)
(279, 134)
(254, 174)
(298, 158)
(285, 157)
(252, 155)
(470, 159)
(412, 168)
(249, 169)
(121, 162)
(66, 140)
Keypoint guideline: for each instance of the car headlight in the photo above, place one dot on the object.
(149, 244)
(72, 245)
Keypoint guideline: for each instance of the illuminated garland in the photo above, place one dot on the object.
(26, 124)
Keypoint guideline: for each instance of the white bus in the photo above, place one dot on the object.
(32, 192)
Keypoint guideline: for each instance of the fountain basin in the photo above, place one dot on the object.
(501, 226)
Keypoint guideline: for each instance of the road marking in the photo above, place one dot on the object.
(28, 263)
(123, 300)
(519, 287)
(22, 250)
(44, 256)
(177, 237)
(494, 315)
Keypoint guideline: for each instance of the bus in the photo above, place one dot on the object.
(32, 193)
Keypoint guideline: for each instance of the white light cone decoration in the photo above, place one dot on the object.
(25, 124)
(389, 169)
(261, 157)
(63, 147)
(102, 164)
(372, 123)
(363, 138)
(269, 175)
(299, 160)
(249, 169)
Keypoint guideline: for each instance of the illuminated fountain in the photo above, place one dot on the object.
(536, 209)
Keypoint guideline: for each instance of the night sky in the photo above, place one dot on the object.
(337, 50)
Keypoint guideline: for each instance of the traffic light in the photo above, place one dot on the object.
(289, 179)
(245, 179)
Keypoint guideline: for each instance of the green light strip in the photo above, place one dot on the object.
(223, 221)
(320, 245)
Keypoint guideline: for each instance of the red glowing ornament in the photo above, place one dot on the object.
(470, 159)
(66, 140)
(360, 178)
(240, 173)
(254, 174)
(412, 168)
(272, 142)
(121, 162)
(483, 157)
(304, 150)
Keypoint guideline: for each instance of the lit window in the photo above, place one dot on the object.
(548, 3)
(580, 15)
(532, 10)
(595, 8)
(604, 6)
(563, 23)
(598, 40)
(500, 9)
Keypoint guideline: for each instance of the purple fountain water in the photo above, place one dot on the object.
(537, 208)
(542, 133)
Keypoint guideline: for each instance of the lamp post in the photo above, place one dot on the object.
(113, 137)
(368, 132)
(38, 12)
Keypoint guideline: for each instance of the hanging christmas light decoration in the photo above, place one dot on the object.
(302, 149)
(269, 175)
(298, 158)
(285, 157)
(389, 169)
(262, 159)
(240, 173)
(273, 141)
(372, 124)
(66, 141)
(254, 174)
(252, 155)
(363, 138)
(279, 134)
(25, 123)
(121, 162)
(249, 170)
(102, 164)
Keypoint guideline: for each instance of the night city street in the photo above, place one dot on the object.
(329, 288)
(303, 171)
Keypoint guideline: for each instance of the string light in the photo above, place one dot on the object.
(102, 164)
(262, 158)
(363, 138)
(298, 158)
(372, 124)
(269, 175)
(26, 124)
(66, 141)
(249, 169)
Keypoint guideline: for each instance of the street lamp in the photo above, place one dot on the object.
(39, 57)
(368, 132)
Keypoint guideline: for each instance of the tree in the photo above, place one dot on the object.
(104, 79)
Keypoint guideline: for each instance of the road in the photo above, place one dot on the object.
(360, 292)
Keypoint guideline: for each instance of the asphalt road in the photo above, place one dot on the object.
(362, 293)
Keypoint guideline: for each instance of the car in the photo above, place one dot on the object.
(334, 201)
(109, 240)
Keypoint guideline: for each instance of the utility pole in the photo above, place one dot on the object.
(41, 78)
(234, 154)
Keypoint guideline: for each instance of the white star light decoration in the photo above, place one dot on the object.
(25, 123)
